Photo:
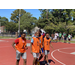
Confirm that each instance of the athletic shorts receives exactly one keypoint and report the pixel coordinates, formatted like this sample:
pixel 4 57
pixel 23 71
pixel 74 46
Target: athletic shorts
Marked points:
pixel 46 52
pixel 18 55
pixel 36 55
pixel 59 38
pixel 68 39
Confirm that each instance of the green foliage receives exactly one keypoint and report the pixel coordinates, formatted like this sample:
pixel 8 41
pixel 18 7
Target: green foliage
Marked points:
pixel 11 26
pixel 51 20
pixel 15 15
pixel 3 21
pixel 28 22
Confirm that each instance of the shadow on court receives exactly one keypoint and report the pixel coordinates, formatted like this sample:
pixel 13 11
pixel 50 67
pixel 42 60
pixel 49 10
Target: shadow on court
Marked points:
pixel 44 62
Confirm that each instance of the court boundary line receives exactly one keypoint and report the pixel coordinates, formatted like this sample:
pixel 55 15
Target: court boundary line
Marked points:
pixel 66 52
pixel 58 50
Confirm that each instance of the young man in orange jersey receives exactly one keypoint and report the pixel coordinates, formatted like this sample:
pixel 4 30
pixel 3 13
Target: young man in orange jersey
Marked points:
pixel 47 44
pixel 35 47
pixel 41 38
pixel 20 47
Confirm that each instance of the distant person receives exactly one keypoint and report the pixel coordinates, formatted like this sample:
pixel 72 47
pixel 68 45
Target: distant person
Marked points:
pixel 65 37
pixel 69 38
pixel 60 36
pixel 57 36
pixel 52 36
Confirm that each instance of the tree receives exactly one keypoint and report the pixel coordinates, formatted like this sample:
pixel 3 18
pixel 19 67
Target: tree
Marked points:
pixel 42 22
pixel 3 21
pixel 12 27
pixel 15 15
pixel 28 22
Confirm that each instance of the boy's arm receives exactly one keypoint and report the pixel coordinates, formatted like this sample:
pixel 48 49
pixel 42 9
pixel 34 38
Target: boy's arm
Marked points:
pixel 51 46
pixel 13 45
pixel 26 46
pixel 16 42
pixel 31 45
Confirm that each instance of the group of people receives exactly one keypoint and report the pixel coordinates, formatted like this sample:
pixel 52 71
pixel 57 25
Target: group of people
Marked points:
pixel 40 46
pixel 60 36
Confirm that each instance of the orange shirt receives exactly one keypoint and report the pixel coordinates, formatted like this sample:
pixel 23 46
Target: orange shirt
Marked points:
pixel 47 44
pixel 36 45
pixel 41 38
pixel 21 45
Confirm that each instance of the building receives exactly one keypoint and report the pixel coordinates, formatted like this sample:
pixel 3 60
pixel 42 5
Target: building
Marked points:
pixel 35 29
pixel 2 29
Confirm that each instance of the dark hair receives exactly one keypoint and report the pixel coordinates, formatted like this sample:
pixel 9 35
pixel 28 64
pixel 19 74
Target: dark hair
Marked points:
pixel 22 33
pixel 40 30
pixel 47 33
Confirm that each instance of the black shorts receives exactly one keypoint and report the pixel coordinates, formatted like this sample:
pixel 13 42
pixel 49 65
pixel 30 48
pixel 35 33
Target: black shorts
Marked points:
pixel 59 38
pixel 69 39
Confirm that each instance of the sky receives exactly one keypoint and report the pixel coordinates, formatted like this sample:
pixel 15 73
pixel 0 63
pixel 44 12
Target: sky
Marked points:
pixel 7 12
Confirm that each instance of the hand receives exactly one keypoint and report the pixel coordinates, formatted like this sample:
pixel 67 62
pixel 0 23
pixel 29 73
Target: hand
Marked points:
pixel 26 48
pixel 15 49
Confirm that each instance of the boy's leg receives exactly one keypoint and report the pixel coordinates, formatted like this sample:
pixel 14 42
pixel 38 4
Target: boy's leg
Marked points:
pixel 34 61
pixel 46 56
pixel 35 58
pixel 41 55
pixel 17 62
pixel 24 56
pixel 18 54
pixel 25 61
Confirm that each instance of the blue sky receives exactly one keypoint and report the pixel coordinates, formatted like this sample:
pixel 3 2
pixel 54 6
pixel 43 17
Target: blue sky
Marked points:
pixel 7 12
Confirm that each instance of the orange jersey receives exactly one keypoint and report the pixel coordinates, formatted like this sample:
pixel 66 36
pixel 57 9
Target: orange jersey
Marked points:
pixel 36 45
pixel 47 44
pixel 21 45
pixel 41 38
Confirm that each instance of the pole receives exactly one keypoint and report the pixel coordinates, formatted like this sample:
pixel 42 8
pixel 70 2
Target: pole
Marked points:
pixel 47 13
pixel 19 19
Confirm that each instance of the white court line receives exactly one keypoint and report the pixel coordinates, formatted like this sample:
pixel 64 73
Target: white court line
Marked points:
pixel 58 50
pixel 68 43
pixel 5 46
pixel 55 58
pixel 66 48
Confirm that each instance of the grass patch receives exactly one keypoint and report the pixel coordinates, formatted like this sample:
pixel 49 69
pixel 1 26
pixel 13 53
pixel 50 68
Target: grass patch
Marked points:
pixel 66 41
pixel 4 37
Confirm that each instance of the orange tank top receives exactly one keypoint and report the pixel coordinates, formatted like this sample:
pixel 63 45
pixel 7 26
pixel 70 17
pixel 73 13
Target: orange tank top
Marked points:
pixel 21 45
pixel 47 44
pixel 36 45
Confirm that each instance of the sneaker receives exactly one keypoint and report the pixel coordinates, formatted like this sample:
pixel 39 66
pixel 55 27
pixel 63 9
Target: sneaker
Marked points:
pixel 38 63
pixel 48 64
